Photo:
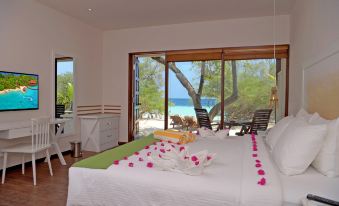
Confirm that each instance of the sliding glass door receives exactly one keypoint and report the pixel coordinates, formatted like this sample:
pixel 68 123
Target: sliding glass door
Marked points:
pixel 149 94
pixel 230 83
pixel 193 84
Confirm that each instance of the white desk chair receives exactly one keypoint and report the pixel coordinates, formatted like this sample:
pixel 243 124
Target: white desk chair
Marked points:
pixel 40 142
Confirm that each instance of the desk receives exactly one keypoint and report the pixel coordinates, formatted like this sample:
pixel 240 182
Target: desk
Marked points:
pixel 14 130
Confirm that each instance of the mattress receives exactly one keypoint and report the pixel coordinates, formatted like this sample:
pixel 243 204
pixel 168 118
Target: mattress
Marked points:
pixel 230 180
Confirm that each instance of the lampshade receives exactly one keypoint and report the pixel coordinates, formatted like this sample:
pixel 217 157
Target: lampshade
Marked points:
pixel 274 95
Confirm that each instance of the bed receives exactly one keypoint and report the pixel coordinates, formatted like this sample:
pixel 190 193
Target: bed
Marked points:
pixel 232 179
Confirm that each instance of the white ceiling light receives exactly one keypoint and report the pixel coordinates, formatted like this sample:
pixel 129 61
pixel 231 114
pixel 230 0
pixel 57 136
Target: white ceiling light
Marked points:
pixel 90 9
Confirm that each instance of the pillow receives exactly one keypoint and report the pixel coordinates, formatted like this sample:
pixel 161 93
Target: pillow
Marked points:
pixel 276 131
pixel 303 114
pixel 298 146
pixel 327 161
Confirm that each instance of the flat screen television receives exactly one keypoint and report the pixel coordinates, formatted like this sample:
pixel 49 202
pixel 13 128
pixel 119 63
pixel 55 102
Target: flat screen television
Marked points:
pixel 18 91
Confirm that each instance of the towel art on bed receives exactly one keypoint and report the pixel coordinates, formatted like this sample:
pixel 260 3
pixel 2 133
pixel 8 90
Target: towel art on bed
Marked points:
pixel 174 136
pixel 168 156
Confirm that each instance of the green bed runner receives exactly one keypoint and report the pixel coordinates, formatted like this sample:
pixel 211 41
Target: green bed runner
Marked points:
pixel 105 159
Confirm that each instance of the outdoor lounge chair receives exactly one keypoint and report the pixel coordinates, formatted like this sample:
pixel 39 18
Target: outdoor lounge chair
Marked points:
pixel 190 123
pixel 177 121
pixel 259 122
pixel 204 119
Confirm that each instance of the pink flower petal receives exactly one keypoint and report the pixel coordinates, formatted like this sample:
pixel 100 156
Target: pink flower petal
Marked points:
pixel 130 164
pixel 161 140
pixel 125 158
pixel 170 141
pixel 149 164
pixel 196 163
pixel 141 159
pixel 155 148
pixel 262 181
pixel 181 149
pixel 257 161
pixel 194 158
pixel 162 150
pixel 172 146
pixel 162 144
pixel 254 155
pixel 261 172
pixel 209 157
pixel 255 149
pixel 147 147
pixel 258 165
pixel 168 150
pixel 116 162
pixel 160 156
pixel 149 153
pixel 136 153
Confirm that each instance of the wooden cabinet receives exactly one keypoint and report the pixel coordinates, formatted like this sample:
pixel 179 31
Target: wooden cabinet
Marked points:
pixel 99 132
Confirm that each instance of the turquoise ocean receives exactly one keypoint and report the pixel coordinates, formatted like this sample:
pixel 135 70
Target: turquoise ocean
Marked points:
pixel 184 106
pixel 17 100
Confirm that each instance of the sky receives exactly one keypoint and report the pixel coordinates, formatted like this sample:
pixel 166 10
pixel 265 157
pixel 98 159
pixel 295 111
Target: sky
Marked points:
pixel 64 67
pixel 176 90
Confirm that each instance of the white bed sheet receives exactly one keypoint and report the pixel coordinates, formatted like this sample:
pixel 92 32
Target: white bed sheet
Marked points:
pixel 295 188
pixel 230 180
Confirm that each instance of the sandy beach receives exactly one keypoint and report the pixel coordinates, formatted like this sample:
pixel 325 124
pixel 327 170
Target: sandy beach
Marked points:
pixel 21 88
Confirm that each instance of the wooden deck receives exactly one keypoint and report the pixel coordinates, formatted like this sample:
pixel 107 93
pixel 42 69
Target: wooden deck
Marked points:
pixel 49 191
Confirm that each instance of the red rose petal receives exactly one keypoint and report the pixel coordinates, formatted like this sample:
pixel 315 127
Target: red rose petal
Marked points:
pixel 149 164
pixel 194 158
pixel 141 159
pixel 147 147
pixel 181 149
pixel 162 150
pixel 262 181
pixel 254 155
pixel 196 163
pixel 257 161
pixel 261 172
pixel 136 153
pixel 162 144
pixel 149 153
pixel 130 164
pixel 258 165
pixel 209 157
pixel 125 158
pixel 116 162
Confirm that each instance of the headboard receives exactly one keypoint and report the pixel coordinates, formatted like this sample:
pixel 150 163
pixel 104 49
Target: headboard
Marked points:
pixel 321 84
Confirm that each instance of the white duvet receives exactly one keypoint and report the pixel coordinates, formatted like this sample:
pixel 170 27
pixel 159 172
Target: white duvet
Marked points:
pixel 230 180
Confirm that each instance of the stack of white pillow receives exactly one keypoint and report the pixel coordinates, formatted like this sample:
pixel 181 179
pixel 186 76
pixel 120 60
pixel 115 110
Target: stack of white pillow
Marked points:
pixel 304 140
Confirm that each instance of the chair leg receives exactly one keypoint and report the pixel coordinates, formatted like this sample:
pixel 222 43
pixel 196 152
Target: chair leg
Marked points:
pixel 4 168
pixel 34 169
pixel 49 162
pixel 23 164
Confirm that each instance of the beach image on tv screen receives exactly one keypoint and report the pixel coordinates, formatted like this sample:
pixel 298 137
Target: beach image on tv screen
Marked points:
pixel 18 91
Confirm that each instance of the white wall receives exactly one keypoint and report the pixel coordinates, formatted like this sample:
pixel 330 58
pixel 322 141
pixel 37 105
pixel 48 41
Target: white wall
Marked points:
pixel 314 30
pixel 30 34
pixel 226 33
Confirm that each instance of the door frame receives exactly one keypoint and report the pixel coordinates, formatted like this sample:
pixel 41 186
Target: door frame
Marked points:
pixel 192 52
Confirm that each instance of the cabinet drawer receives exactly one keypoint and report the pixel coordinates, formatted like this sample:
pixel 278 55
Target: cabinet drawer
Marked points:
pixel 106 136
pixel 106 124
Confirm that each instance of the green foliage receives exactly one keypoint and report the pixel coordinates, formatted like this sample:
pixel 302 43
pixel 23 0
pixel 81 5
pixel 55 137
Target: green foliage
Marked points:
pixel 255 80
pixel 12 81
pixel 65 90
pixel 151 84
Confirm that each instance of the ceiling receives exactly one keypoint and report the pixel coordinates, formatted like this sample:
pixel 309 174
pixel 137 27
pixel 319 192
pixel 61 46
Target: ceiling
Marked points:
pixel 118 14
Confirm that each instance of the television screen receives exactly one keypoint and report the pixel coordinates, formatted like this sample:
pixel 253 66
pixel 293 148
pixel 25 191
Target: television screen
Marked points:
pixel 18 91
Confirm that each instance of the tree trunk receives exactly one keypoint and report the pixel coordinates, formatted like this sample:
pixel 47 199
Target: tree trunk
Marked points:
pixel 229 100
pixel 183 80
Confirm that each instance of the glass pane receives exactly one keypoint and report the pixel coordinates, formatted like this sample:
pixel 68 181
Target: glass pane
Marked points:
pixel 65 93
pixel 248 85
pixel 151 86
pixel 193 84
